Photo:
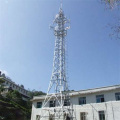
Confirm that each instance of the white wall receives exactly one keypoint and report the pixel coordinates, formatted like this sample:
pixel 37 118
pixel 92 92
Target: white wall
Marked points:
pixel 16 87
pixel 91 98
pixel 110 106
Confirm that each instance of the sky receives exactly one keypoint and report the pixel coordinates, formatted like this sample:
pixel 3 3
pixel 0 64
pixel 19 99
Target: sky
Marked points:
pixel 27 43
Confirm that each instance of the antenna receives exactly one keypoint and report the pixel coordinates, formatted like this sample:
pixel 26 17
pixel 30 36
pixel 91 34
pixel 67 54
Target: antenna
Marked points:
pixel 61 4
pixel 58 90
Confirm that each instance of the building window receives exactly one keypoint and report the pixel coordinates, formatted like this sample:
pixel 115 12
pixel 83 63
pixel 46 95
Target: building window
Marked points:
pixel 66 102
pixel 101 115
pixel 51 117
pixel 37 117
pixel 117 96
pixel 52 104
pixel 83 116
pixel 82 100
pixel 39 104
pixel 100 98
pixel 66 116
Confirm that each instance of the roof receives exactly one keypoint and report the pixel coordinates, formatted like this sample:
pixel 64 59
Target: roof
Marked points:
pixel 83 92
pixel 10 81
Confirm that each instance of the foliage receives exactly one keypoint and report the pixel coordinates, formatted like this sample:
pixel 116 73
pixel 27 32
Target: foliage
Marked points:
pixel 12 111
pixel 1 85
pixel 14 96
pixel 115 31
pixel 111 3
pixel 35 93
pixel 2 80
pixel 1 88
pixel 13 107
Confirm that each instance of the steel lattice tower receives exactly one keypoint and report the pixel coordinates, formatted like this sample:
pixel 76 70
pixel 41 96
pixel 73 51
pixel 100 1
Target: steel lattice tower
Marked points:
pixel 58 78
pixel 58 84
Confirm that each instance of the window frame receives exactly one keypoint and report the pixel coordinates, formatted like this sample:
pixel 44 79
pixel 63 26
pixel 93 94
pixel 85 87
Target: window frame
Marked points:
pixel 117 96
pixel 51 117
pixel 80 100
pixel 52 103
pixel 66 102
pixel 101 115
pixel 37 117
pixel 39 105
pixel 83 116
pixel 100 98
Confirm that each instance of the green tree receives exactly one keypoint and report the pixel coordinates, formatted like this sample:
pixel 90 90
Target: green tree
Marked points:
pixel 35 93
pixel 1 85
pixel 12 107
pixel 15 96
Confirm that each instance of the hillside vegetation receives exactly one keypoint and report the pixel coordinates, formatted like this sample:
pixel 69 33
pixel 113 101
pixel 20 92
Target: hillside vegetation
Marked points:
pixel 13 107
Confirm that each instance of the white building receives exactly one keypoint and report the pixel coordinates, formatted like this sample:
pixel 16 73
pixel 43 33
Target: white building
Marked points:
pixel 10 85
pixel 91 104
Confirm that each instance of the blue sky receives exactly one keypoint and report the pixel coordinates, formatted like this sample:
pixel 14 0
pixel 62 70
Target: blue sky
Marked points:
pixel 27 43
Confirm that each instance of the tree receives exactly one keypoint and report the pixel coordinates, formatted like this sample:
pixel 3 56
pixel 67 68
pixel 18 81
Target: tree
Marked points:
pixel 1 84
pixel 15 96
pixel 1 88
pixel 35 93
pixel 12 107
pixel 112 4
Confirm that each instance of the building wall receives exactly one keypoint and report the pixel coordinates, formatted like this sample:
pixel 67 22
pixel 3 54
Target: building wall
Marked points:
pixel 111 107
pixel 12 85
pixel 91 98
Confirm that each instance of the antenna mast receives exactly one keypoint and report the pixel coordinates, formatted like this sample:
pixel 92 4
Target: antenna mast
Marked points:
pixel 58 92
pixel 61 4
